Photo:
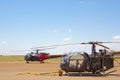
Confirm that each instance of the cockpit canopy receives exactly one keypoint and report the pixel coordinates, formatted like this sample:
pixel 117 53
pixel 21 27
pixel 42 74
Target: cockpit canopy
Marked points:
pixel 74 61
pixel 73 56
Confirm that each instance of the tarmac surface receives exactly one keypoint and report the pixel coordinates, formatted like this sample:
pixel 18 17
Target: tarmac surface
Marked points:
pixel 23 71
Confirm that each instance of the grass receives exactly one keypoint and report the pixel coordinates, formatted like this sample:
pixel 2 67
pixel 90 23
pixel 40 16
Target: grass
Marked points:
pixel 54 59
pixel 11 58
pixel 21 58
pixel 116 56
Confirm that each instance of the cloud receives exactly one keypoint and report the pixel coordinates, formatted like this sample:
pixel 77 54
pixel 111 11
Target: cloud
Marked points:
pixel 69 30
pixel 55 31
pixel 82 2
pixel 3 42
pixel 67 39
pixel 117 37
pixel 87 3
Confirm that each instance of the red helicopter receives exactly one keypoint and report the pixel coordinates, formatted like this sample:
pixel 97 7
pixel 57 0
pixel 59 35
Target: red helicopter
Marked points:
pixel 40 56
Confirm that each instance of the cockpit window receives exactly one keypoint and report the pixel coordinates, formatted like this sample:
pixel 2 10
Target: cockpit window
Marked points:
pixel 76 61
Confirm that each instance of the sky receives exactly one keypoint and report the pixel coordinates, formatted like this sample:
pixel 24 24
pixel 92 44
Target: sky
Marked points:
pixel 33 23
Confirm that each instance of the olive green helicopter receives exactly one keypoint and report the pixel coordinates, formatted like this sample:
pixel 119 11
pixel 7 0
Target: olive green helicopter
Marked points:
pixel 94 62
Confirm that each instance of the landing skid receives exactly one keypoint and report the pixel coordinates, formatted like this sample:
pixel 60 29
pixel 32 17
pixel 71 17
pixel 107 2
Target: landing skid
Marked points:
pixel 29 62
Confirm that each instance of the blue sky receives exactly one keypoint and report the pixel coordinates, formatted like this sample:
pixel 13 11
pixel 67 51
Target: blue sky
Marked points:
pixel 31 23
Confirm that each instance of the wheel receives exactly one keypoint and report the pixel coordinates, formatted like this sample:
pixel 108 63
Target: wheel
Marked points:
pixel 60 72
pixel 27 62
pixel 93 71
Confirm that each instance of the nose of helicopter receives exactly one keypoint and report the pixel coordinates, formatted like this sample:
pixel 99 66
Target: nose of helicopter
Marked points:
pixel 63 66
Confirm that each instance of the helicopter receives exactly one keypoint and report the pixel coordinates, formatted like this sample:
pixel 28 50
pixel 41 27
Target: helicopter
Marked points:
pixel 96 62
pixel 40 56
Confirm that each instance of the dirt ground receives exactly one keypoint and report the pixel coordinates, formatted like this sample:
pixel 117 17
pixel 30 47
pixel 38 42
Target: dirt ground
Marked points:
pixel 17 70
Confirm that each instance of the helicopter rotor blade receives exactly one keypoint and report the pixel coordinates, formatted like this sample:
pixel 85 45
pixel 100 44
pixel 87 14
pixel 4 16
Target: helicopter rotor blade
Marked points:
pixel 102 46
pixel 97 43
pixel 109 42
pixel 20 50
pixel 42 49
pixel 91 42
pixel 58 45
